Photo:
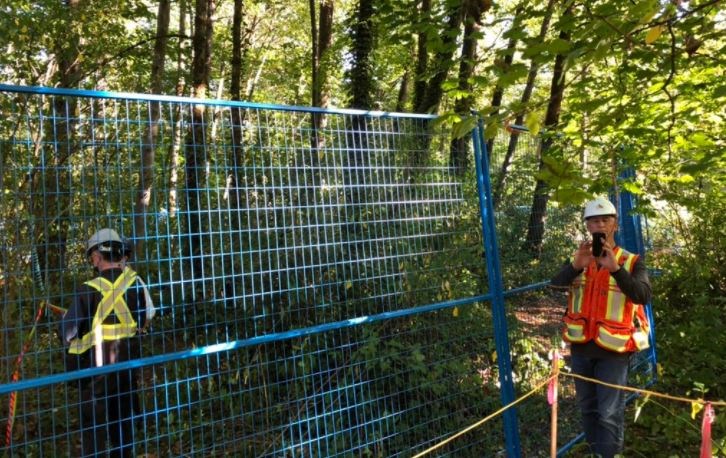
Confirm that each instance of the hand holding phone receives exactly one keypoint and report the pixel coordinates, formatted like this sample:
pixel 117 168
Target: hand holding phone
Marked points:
pixel 598 239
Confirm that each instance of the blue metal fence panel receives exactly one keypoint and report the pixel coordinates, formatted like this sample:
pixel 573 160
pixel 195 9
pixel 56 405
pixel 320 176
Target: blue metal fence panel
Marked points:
pixel 317 275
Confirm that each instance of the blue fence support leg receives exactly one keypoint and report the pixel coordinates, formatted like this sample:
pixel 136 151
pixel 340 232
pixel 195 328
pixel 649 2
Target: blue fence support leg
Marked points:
pixel 496 289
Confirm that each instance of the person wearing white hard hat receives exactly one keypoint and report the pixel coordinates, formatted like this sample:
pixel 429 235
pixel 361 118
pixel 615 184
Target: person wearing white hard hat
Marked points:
pixel 605 324
pixel 101 327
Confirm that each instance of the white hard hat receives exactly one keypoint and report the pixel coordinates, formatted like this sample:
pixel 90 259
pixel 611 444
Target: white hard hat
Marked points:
pixel 106 240
pixel 599 207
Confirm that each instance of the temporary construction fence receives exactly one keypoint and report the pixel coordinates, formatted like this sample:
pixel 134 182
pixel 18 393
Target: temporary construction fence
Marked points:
pixel 326 283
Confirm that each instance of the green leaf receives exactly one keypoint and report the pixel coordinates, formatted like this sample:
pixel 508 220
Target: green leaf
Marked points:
pixel 651 8
pixel 719 92
pixel 559 46
pixel 464 126
pixel 570 195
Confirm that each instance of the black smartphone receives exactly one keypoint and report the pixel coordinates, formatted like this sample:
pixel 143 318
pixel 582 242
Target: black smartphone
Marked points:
pixel 597 240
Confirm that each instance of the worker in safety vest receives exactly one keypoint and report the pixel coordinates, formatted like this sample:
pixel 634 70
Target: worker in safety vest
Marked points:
pixel 102 326
pixel 605 324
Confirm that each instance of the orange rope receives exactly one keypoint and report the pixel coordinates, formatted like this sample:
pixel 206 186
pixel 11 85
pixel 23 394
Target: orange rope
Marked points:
pixel 12 403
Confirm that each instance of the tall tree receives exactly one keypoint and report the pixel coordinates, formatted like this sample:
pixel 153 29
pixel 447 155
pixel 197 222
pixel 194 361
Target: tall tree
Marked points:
pixel 321 37
pixel 321 34
pixel 239 62
pixel 361 72
pixel 146 177
pixel 196 148
pixel 443 60
pixel 54 176
pixel 179 90
pixel 536 227
pixel 501 177
pixel 422 53
pixel 504 63
pixel 473 11
pixel 361 90
pixel 427 97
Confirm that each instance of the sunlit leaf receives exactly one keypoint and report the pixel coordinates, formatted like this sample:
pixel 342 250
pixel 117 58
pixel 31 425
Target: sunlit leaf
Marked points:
pixel 632 187
pixel 653 34
pixel 700 139
pixel 571 195
pixel 685 179
pixel 533 122
pixel 696 406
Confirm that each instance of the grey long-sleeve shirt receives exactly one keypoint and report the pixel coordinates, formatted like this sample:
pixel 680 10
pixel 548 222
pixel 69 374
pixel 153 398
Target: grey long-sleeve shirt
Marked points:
pixel 635 284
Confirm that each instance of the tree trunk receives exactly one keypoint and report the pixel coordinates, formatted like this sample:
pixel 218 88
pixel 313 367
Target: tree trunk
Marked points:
pixel 501 179
pixel 55 204
pixel 403 91
pixel 146 177
pixel 175 147
pixel 444 62
pixel 322 39
pixel 422 55
pixel 434 90
pixel 535 228
pixel 196 149
pixel 458 151
pixel 361 71
pixel 505 65
pixel 240 49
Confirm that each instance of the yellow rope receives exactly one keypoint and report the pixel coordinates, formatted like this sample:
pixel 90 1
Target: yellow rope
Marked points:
pixel 485 419
pixel 642 391
pixel 546 381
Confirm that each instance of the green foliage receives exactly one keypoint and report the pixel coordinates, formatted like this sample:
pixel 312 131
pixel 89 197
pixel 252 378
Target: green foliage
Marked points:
pixel 690 308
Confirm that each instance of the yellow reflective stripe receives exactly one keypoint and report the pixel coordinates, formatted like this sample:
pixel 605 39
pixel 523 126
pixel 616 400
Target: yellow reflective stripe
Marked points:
pixel 613 342
pixel 577 292
pixel 112 301
pixel 575 332
pixel 628 265
pixel 615 302
pixel 616 299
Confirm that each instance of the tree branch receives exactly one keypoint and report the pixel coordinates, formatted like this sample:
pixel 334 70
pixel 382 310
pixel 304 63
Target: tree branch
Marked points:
pixel 130 48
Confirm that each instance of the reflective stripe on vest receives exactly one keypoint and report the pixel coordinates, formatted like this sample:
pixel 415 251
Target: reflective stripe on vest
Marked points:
pixel 113 301
pixel 614 342
pixel 616 299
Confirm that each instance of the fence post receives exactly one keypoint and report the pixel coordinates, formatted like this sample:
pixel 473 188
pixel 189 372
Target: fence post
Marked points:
pixel 496 289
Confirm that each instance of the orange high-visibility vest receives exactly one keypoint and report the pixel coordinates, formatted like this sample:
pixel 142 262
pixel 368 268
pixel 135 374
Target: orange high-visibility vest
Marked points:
pixel 113 301
pixel 597 310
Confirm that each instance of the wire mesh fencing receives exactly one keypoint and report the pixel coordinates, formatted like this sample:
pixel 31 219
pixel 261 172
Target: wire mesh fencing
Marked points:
pixel 318 279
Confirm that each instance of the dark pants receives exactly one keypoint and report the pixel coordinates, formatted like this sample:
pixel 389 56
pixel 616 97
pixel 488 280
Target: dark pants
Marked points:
pixel 106 415
pixel 602 408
